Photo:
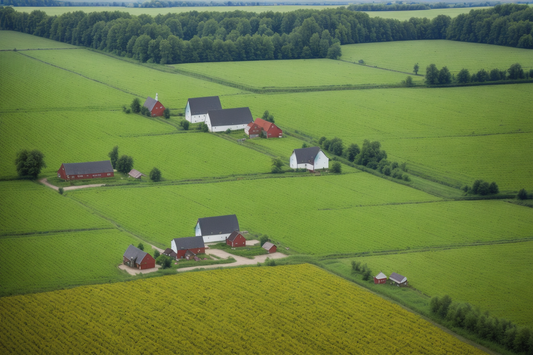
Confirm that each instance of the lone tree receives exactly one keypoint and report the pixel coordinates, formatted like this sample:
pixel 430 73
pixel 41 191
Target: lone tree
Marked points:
pixel 135 105
pixel 141 246
pixel 113 156
pixel 336 168
pixel 155 175
pixel 415 69
pixel 29 164
pixel 124 164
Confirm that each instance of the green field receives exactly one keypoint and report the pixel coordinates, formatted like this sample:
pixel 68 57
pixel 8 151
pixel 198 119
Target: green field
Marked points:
pixel 28 207
pixel 54 261
pixel 430 14
pixel 454 55
pixel 483 276
pixel 295 73
pixel 18 40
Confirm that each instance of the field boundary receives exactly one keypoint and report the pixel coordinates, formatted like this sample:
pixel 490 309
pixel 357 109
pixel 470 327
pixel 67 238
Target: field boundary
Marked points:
pixel 37 49
pixel 58 231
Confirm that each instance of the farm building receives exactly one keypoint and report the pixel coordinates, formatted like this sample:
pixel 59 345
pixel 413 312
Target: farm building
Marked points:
pixel 312 158
pixel 136 174
pixel 270 129
pixel 236 239
pixel 169 252
pixel 398 279
pixel 197 108
pixel 380 278
pixel 155 107
pixel 89 170
pixel 271 248
pixel 187 247
pixel 252 130
pixel 134 257
pixel 216 229
pixel 230 118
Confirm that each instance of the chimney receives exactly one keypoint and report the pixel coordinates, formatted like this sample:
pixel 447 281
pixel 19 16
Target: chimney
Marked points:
pixel 156 97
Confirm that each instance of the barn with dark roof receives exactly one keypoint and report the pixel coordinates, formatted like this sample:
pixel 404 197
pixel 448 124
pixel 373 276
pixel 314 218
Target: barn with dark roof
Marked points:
pixel 230 118
pixel 155 107
pixel 197 108
pixel 188 247
pixel 216 229
pixel 136 258
pixel 88 170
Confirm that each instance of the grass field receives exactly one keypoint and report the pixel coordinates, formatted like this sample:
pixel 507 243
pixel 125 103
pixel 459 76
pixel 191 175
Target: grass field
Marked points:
pixel 295 73
pixel 19 41
pixel 28 207
pixel 54 261
pixel 430 14
pixel 468 275
pixel 305 309
pixel 453 54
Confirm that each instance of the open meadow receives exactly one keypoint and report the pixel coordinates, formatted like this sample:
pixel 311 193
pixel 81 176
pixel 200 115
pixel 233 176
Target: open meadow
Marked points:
pixel 403 55
pixel 468 275
pixel 287 309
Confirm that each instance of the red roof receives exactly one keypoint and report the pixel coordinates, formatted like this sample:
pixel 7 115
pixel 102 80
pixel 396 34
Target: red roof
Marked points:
pixel 264 124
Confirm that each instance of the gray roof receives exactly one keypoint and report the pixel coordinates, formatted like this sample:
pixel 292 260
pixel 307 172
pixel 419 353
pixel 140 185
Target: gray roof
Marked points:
pixel 169 252
pixel 219 224
pixel 230 116
pixel 306 155
pixel 150 103
pixel 135 174
pixel 267 245
pixel 92 167
pixel 135 253
pixel 397 278
pixel 189 242
pixel 201 105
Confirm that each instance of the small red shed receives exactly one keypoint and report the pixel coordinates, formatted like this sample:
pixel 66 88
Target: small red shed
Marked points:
pixel 380 278
pixel 188 247
pixel 236 239
pixel 134 257
pixel 252 130
pixel 271 248
pixel 156 108
pixel 89 170
pixel 270 129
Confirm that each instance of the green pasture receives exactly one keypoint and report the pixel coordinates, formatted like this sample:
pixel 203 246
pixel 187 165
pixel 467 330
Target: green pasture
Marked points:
pixel 20 41
pixel 30 85
pixel 295 73
pixel 28 207
pixel 488 276
pixel 55 261
pixel 403 55
pixel 430 14
pixel 315 215
pixel 142 81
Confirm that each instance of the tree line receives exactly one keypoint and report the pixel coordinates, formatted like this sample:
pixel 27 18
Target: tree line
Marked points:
pixel 434 76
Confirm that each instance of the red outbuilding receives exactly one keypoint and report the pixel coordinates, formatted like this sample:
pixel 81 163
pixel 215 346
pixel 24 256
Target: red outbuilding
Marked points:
pixel 156 108
pixel 270 129
pixel 271 248
pixel 380 278
pixel 236 239
pixel 134 257
pixel 252 130
pixel 188 247
pixel 89 170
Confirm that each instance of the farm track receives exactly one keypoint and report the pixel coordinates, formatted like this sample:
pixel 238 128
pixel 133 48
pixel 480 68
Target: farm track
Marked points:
pixel 26 234
pixel 374 67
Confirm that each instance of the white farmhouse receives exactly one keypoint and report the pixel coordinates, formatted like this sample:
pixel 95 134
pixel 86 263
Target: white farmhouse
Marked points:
pixel 197 108
pixel 229 118
pixel 312 159
pixel 216 229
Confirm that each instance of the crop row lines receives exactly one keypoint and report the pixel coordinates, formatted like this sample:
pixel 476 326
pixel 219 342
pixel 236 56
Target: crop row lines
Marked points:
pixel 385 204
pixel 25 234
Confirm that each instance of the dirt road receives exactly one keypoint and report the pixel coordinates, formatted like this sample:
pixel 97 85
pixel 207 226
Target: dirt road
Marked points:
pixel 68 188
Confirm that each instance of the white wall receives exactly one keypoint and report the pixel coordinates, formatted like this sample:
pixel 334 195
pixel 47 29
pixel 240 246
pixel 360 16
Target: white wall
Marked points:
pixel 173 246
pixel 193 118
pixel 224 128
pixel 215 238
pixel 321 161
pixel 197 230
pixel 292 163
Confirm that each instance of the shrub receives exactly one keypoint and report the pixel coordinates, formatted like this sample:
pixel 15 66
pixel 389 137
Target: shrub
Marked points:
pixel 156 254
pixel 166 113
pixel 135 105
pixel 336 168
pixel 185 125
pixel 263 239
pixel 155 175
pixel 145 112
pixel 60 190
pixel 522 194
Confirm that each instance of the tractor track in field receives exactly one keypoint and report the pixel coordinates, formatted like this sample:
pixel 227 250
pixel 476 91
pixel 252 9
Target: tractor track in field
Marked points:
pixel 83 76
pixel 58 231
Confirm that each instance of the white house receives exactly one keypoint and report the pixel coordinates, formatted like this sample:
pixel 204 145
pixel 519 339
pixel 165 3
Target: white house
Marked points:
pixel 197 108
pixel 216 229
pixel 312 159
pixel 230 118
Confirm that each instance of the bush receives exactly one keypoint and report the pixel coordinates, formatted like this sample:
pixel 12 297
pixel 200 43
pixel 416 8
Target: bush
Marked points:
pixel 156 254
pixel 202 127
pixel 522 194
pixel 135 105
pixel 185 125
pixel 60 190
pixel 166 113
pixel 228 131
pixel 263 239
pixel 155 175
pixel 336 168
pixel 270 262
pixel 367 275
pixel 164 261
pixel 145 112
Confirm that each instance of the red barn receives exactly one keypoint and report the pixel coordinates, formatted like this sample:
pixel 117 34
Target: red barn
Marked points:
pixel 270 129
pixel 271 248
pixel 380 278
pixel 236 239
pixel 134 257
pixel 252 130
pixel 89 170
pixel 156 108
pixel 188 247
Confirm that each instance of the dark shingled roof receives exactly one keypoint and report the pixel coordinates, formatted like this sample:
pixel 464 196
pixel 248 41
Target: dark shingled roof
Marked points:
pixel 397 278
pixel 233 235
pixel 169 252
pixel 135 253
pixel 230 116
pixel 92 167
pixel 150 103
pixel 219 224
pixel 202 105
pixel 306 155
pixel 189 242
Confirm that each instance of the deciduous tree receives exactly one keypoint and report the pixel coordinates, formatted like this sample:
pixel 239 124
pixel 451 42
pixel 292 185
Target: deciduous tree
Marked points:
pixel 432 75
pixel 136 105
pixel 113 156
pixel 124 164
pixel 155 175
pixel 29 164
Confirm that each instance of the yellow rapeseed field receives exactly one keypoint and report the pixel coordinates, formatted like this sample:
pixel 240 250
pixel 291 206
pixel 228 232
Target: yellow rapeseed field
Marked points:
pixel 268 310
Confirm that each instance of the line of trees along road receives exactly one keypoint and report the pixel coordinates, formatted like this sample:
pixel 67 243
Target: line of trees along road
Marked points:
pixel 214 36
